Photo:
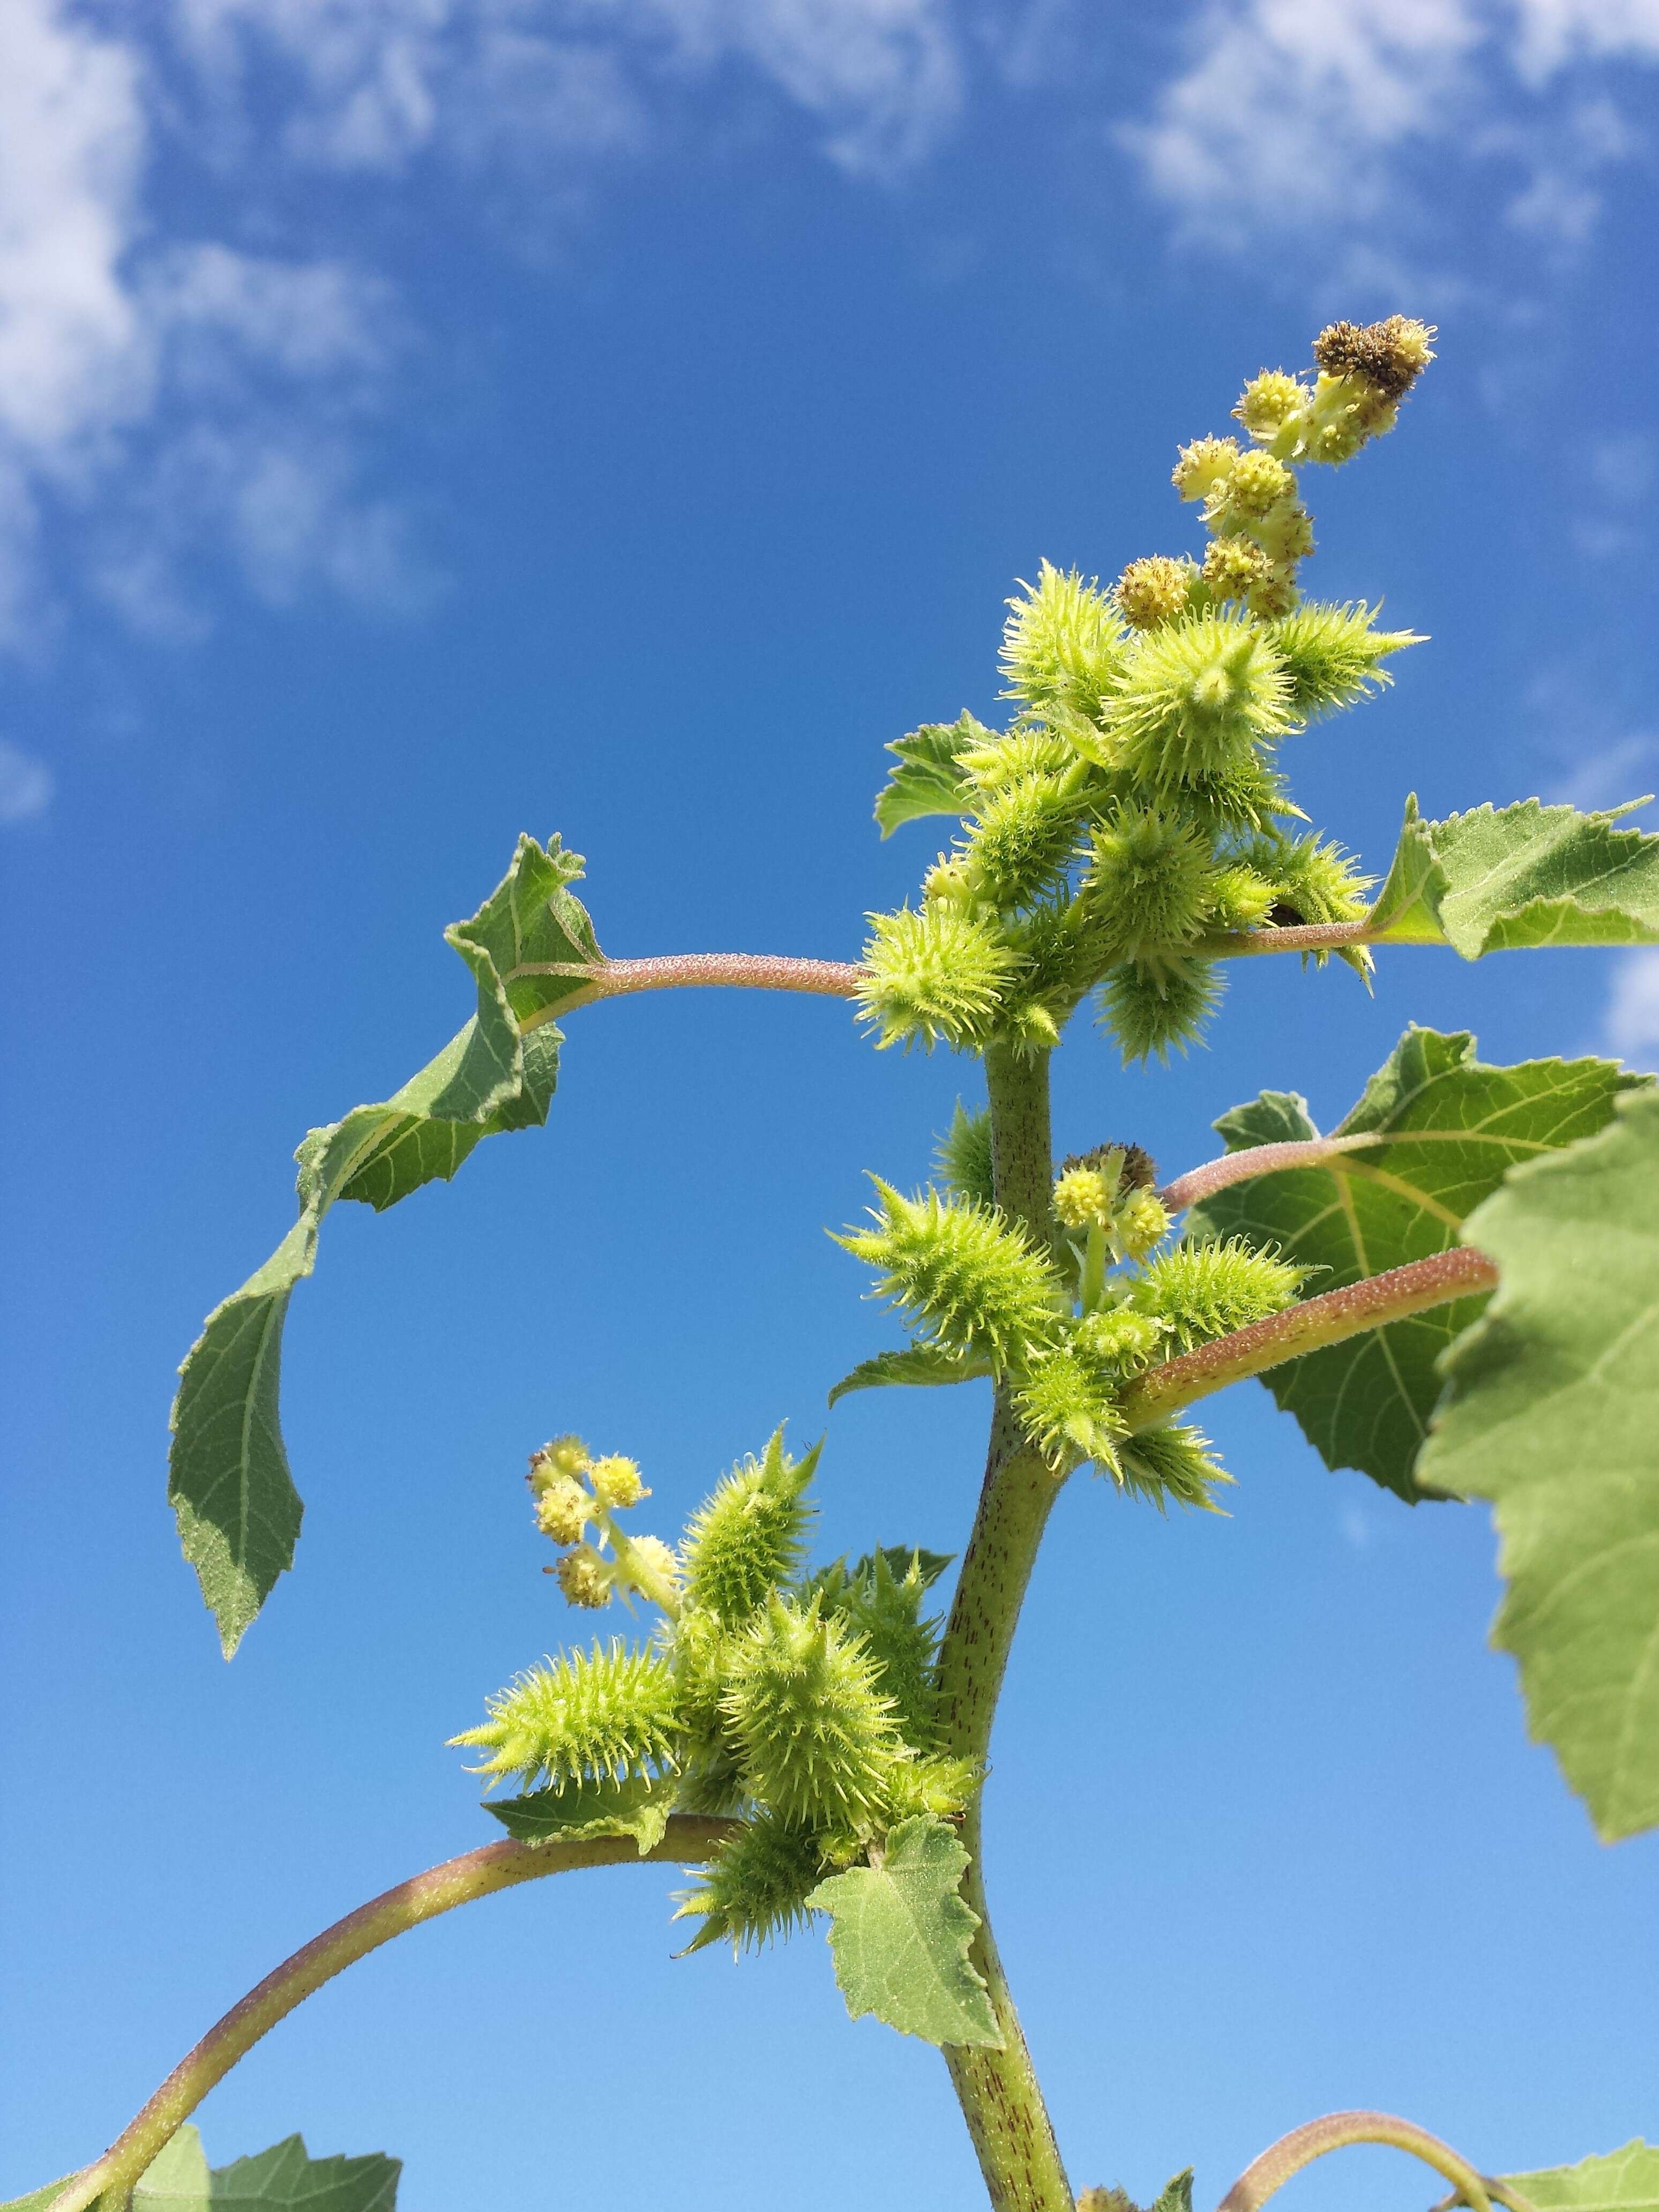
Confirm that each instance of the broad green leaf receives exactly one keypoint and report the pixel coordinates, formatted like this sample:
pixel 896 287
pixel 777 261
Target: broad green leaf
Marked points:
pixel 927 779
pixel 229 1485
pixel 638 1806
pixel 917 1363
pixel 1502 879
pixel 1624 2181
pixel 1450 1128
pixel 179 2180
pixel 284 2176
pixel 900 1934
pixel 1552 1413
pixel 1176 2194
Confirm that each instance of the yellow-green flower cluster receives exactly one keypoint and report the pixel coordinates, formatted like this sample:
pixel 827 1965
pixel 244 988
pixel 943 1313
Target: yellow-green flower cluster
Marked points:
pixel 573 1492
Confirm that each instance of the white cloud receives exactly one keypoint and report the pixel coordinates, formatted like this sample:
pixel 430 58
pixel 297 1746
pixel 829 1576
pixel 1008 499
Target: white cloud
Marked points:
pixel 72 145
pixel 121 356
pixel 27 785
pixel 1631 1024
pixel 179 395
pixel 561 81
pixel 1302 118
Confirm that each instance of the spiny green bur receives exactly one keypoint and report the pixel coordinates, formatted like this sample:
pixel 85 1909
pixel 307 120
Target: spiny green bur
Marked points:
pixel 803 1701
pixel 750 1536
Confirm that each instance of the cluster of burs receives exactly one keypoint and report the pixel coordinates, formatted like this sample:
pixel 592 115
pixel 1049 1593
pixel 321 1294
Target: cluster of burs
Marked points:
pixel 805 1704
pixel 802 1701
pixel 1131 815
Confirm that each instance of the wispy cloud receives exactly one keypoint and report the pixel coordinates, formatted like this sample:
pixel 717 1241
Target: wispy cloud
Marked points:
pixel 1630 1023
pixel 27 785
pixel 176 396
pixel 1303 123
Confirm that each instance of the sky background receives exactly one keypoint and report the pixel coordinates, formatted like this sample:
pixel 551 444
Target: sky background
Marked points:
pixel 426 420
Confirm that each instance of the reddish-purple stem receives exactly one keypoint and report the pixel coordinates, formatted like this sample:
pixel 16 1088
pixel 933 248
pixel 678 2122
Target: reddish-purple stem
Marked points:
pixel 1462 1272
pixel 1256 1160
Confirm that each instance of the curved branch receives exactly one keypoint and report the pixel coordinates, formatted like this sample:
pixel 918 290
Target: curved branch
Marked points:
pixel 752 971
pixel 1258 1160
pixel 1462 1272
pixel 441 1889
pixel 1335 2132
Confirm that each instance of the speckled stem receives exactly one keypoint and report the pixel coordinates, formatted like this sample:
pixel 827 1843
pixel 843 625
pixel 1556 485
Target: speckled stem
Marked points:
pixel 1259 1160
pixel 679 971
pixel 1299 937
pixel 998 2090
pixel 1335 2132
pixel 1462 1272
pixel 457 1881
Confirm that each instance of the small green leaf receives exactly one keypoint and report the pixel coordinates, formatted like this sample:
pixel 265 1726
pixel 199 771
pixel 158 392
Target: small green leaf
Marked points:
pixel 37 2199
pixel 1552 1411
pixel 917 1363
pixel 927 779
pixel 1502 879
pixel 638 1806
pixel 1624 2181
pixel 229 1485
pixel 900 1935
pixel 283 2176
pixel 1451 1127
pixel 1176 2195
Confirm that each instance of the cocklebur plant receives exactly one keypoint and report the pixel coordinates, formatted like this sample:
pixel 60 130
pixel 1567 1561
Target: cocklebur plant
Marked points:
pixel 1452 1292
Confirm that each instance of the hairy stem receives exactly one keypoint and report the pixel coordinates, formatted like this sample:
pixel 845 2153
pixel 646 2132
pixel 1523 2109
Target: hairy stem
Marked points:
pixel 1335 2132
pixel 1462 1272
pixel 441 1889
pixel 1300 937
pixel 998 2090
pixel 1258 1160
pixel 671 971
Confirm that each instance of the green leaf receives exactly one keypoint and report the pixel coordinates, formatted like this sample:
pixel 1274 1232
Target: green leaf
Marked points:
pixel 1451 1128
pixel 180 2181
pixel 1176 2194
pixel 1503 879
pixel 285 2176
pixel 1552 1413
pixel 1624 2181
pixel 917 1363
pixel 638 1806
pixel 229 1485
pixel 900 1934
pixel 927 779
pixel 37 2199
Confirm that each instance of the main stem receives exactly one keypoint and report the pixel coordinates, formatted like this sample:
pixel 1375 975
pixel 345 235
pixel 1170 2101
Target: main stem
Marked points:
pixel 998 2090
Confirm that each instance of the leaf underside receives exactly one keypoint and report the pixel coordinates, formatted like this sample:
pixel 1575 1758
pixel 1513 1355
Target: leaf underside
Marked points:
pixel 637 1807
pixel 1451 1128
pixel 900 1934
pixel 926 780
pixel 1552 1413
pixel 1511 878
pixel 229 1480
pixel 915 1363
pixel 1623 2181
pixel 181 2180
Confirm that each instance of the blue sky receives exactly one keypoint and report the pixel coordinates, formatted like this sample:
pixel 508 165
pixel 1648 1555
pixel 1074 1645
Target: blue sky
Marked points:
pixel 426 420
